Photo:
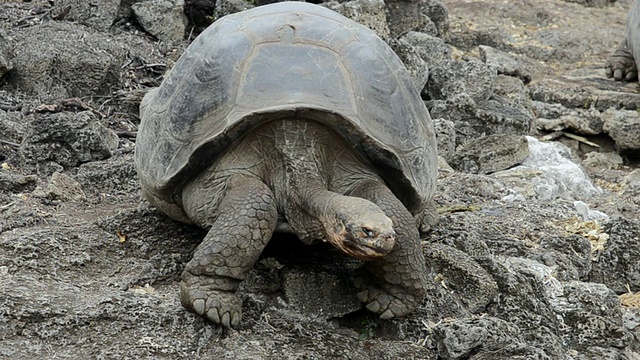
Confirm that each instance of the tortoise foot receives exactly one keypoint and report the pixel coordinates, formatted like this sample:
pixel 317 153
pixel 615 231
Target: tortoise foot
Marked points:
pixel 621 65
pixel 389 301
pixel 219 306
pixel 621 68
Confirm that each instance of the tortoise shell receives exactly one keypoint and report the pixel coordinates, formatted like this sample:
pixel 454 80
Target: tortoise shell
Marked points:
pixel 288 59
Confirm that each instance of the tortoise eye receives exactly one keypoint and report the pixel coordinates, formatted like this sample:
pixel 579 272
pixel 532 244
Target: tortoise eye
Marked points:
pixel 368 232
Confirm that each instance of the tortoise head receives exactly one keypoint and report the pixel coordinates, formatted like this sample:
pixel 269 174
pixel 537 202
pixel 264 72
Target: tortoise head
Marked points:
pixel 362 230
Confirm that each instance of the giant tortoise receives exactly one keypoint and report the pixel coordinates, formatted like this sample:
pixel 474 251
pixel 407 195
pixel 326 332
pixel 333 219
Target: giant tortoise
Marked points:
pixel 291 117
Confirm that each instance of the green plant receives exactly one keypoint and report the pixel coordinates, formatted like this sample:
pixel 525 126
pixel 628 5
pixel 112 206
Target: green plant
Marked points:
pixel 368 330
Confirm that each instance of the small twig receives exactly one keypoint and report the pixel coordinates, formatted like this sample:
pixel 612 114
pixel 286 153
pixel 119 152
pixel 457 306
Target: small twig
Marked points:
pixel 580 139
pixel 10 143
pixel 62 14
pixel 24 19
pixel 127 64
pixel 67 103
pixel 146 66
pixel 5 207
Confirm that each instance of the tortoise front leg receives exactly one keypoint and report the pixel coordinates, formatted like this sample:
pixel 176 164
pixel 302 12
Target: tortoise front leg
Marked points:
pixel 246 220
pixel 399 278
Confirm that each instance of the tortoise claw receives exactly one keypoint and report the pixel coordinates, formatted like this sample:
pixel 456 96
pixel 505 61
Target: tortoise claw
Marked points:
pixel 220 307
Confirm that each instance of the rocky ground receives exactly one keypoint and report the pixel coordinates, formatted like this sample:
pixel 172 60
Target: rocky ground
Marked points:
pixel 536 256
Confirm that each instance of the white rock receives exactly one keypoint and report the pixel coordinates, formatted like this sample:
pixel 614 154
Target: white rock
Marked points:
pixel 549 173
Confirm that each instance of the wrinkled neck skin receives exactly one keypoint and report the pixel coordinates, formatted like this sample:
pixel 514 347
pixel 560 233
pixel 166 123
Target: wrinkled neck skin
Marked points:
pixel 309 177
pixel 309 168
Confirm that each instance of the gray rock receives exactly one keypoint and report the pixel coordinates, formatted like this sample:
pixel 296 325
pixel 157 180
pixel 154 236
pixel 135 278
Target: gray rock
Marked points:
pixel 592 315
pixel 513 89
pixel 499 115
pixel 440 301
pixel 163 19
pixel 16 183
pixel 405 16
pixel 495 116
pixel 319 294
pixel 587 122
pixel 504 63
pixel 445 138
pixel 100 15
pixel 631 183
pixel 12 127
pixel 631 320
pixel 17 216
pixel 490 153
pixel 584 92
pixel 544 276
pixel 568 256
pixel 469 242
pixel 526 289
pixel 469 188
pixel 67 139
pixel 592 3
pixel 600 353
pixel 454 78
pixel 467 282
pixel 624 128
pixel 396 350
pixel 437 12
pixel 54 62
pixel 618 265
pixel 428 27
pixel 433 50
pixel 550 110
pixel 485 337
pixel 370 13
pixel 5 54
pixel 412 61
pixel 607 160
pixel 226 7
pixel 427 16
pixel 469 39
pixel 65 188
pixel 112 178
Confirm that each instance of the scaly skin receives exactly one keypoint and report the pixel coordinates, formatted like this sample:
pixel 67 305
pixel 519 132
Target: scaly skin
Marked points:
pixel 305 173
pixel 397 285
pixel 427 218
pixel 232 246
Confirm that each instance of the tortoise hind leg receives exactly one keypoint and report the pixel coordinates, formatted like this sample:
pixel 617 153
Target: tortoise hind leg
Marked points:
pixel 246 220
pixel 399 278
